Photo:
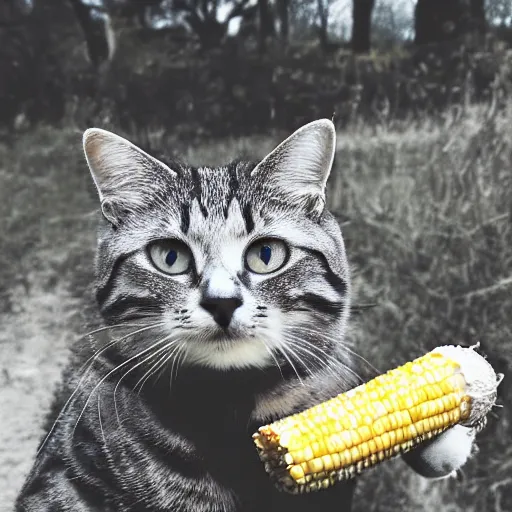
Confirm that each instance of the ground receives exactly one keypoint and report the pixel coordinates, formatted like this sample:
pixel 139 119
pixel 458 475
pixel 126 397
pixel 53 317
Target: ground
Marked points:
pixel 425 210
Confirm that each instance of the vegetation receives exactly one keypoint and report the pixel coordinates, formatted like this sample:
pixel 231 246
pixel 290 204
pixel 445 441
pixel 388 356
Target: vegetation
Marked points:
pixel 425 210
pixel 287 62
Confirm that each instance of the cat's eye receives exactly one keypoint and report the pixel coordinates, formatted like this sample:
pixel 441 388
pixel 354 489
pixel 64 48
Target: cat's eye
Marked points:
pixel 170 256
pixel 266 256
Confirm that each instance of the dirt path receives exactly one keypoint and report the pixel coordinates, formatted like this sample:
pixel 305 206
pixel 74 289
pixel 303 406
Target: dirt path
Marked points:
pixel 33 350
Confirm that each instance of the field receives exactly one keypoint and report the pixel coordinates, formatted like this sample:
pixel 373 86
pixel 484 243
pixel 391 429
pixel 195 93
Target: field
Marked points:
pixel 426 212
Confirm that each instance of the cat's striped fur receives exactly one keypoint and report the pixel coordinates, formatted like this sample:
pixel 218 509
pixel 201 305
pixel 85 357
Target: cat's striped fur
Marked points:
pixel 191 363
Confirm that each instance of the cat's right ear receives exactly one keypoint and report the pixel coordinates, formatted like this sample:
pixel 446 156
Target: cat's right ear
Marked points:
pixel 124 175
pixel 299 166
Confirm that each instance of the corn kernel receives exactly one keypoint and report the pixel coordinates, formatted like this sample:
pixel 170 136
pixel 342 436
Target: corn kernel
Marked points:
pixel 296 472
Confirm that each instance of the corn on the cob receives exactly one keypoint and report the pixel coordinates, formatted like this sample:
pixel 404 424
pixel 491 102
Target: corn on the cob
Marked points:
pixel 389 415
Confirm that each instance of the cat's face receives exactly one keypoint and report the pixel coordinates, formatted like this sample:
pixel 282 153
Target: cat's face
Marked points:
pixel 239 266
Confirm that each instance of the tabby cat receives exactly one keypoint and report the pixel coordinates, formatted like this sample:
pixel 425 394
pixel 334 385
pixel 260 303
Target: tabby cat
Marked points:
pixel 224 295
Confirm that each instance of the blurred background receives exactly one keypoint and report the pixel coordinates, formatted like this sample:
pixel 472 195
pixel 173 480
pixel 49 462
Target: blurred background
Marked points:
pixel 420 92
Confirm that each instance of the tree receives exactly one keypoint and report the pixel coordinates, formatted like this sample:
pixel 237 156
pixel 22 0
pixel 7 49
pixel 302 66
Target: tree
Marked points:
pixel 444 20
pixel 361 25
pixel 95 23
pixel 266 26
pixel 477 14
pixel 202 18
pixel 13 12
pixel 92 17
pixel 283 7
pixel 323 16
pixel 391 24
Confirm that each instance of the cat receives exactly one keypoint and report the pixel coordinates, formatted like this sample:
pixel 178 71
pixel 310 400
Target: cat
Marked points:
pixel 224 295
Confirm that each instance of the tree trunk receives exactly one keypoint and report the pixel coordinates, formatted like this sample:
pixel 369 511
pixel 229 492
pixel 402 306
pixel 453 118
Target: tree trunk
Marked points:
pixel 361 25
pixel 209 31
pixel 95 22
pixel 478 15
pixel 265 24
pixel 282 12
pixel 13 12
pixel 323 15
pixel 443 20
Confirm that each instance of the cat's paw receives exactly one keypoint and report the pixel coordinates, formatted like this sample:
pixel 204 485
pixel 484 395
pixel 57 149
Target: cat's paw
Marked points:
pixel 443 456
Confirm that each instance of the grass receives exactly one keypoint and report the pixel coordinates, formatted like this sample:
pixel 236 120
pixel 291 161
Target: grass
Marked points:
pixel 41 204
pixel 426 214
pixel 429 234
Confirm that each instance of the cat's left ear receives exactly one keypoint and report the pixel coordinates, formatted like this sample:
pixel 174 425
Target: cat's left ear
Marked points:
pixel 299 166
pixel 126 176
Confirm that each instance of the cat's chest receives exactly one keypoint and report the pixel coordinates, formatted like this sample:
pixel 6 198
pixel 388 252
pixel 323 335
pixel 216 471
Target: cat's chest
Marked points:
pixel 223 444
pixel 197 443
pixel 220 430
pixel 218 426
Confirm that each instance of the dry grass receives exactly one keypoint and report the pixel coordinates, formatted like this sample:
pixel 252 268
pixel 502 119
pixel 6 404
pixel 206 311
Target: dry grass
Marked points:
pixel 429 234
pixel 426 213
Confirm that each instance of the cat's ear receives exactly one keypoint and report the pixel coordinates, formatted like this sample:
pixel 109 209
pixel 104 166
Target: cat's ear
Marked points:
pixel 124 175
pixel 300 166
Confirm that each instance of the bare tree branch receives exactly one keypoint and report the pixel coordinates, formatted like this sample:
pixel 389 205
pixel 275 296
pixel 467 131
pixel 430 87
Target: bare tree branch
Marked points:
pixel 237 10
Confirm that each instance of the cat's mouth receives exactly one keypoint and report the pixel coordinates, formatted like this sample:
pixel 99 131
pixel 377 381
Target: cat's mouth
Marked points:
pixel 228 348
pixel 223 335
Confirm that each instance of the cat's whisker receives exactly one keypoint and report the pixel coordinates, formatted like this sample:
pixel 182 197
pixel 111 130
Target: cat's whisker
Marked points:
pixel 116 409
pixel 285 355
pixel 118 367
pixel 117 340
pixel 341 345
pixel 299 341
pixel 159 365
pixel 269 350
pixel 174 361
pixel 107 328
pixel 140 363
pixel 336 362
pixel 182 360
pixel 296 343
pixel 140 383
pixel 320 364
pixel 290 347
pixel 148 358
pixel 181 351
pixel 80 382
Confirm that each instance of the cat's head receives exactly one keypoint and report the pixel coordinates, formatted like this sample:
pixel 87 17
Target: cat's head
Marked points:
pixel 236 266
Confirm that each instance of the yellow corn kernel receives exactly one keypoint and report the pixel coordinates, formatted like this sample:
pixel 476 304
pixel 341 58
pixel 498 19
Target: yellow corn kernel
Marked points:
pixel 365 433
pixel 365 450
pixel 386 441
pixel 389 415
pixel 296 472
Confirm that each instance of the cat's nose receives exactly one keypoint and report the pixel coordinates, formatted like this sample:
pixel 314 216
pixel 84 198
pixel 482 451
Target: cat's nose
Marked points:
pixel 221 308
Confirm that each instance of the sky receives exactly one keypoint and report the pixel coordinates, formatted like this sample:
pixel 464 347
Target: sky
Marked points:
pixel 340 14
